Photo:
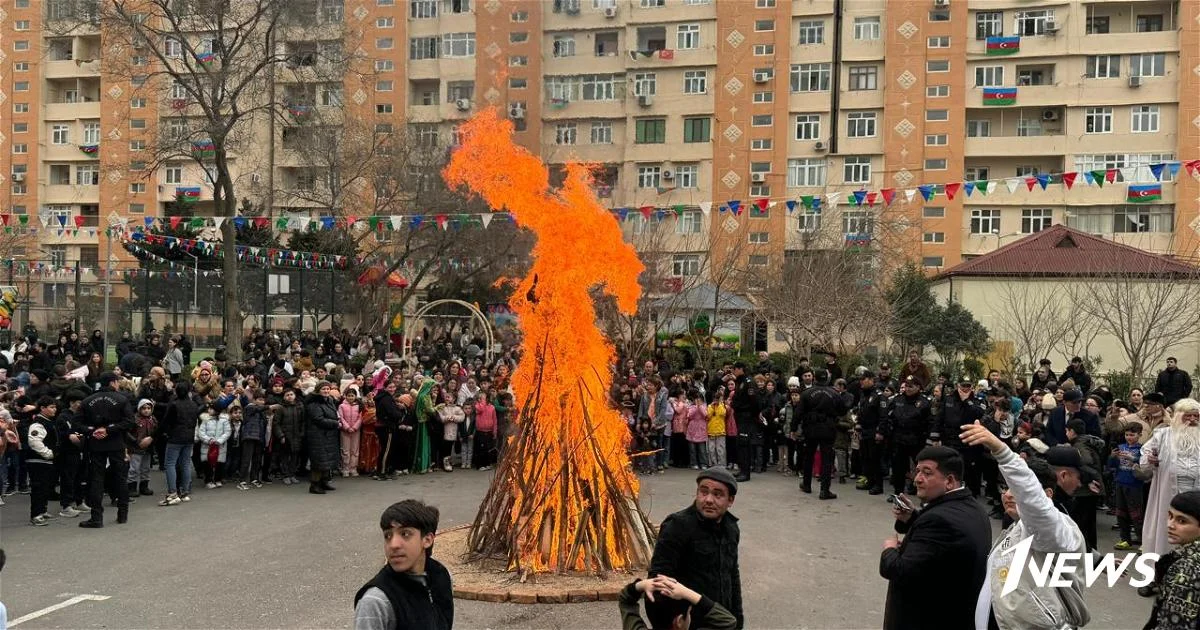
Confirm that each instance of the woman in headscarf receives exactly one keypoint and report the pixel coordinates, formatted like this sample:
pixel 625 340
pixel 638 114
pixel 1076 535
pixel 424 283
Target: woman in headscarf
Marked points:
pixel 426 416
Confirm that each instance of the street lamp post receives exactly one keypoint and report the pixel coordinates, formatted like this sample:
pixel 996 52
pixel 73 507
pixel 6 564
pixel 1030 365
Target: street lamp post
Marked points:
pixel 195 288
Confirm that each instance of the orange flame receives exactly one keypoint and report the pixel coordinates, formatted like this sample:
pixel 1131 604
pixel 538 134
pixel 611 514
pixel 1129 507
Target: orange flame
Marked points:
pixel 566 359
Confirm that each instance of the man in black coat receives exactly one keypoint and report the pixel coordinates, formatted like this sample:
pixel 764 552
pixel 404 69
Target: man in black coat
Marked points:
pixel 324 444
pixel 1173 383
pixel 106 417
pixel 1077 372
pixel 906 427
pixel 820 408
pixel 698 546
pixel 946 542
pixel 1072 407
pixel 870 407
pixel 388 417
pixel 745 411
pixel 960 407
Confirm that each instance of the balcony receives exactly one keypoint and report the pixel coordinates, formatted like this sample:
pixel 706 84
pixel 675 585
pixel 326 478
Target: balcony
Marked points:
pixel 1015 145
pixel 78 68
pixel 669 151
pixel 69 194
pixel 72 111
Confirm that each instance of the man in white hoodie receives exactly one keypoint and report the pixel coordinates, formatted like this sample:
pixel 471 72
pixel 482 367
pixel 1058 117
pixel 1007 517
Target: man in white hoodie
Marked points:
pixel 1030 499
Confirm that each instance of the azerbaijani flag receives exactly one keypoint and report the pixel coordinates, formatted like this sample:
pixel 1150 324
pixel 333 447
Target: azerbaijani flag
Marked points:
pixel 187 194
pixel 999 96
pixel 203 149
pixel 1003 45
pixel 208 59
pixel 1144 193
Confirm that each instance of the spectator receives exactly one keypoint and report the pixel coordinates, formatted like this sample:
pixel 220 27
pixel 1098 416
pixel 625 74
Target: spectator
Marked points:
pixel 1173 383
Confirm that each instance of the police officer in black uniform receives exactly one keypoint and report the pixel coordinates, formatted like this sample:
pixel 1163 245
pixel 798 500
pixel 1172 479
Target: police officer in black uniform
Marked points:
pixel 906 426
pixel 106 417
pixel 820 408
pixel 745 412
pixel 958 408
pixel 871 405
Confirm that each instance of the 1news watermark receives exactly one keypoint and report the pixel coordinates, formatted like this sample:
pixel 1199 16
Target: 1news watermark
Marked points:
pixel 1057 569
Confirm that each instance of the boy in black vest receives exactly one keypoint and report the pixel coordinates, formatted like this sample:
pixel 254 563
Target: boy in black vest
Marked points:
pixel 413 590
pixel 38 448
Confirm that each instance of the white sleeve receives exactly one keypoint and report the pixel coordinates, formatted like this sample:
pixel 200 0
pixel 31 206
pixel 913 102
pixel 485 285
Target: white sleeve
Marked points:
pixel 374 611
pixel 37 437
pixel 1039 515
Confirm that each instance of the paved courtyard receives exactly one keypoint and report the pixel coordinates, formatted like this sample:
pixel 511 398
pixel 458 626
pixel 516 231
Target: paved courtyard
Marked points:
pixel 281 558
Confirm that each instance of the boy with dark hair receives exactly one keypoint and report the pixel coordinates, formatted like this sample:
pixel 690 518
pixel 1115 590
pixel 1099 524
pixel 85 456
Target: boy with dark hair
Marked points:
pixel 413 591
pixel 1128 488
pixel 37 447
pixel 673 608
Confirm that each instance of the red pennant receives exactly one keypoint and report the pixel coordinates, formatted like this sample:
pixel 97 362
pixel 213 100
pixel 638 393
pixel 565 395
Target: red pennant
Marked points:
pixel 350 221
pixel 888 194
pixel 78 221
pixel 952 189
pixel 441 221
pixel 1030 182
pixel 5 218
pixel 1110 175
pixel 175 222
pixel 871 198
pixel 646 211
pixel 261 222
pixel 1191 165
pixel 1069 179
pixel 762 204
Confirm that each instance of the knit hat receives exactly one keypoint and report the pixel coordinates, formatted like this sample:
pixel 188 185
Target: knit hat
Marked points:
pixel 1188 503
pixel 719 475
pixel 793 382
pixel 143 402
pixel 1048 402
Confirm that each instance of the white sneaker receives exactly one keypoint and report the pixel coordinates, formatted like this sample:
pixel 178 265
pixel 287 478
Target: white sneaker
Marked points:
pixel 185 498
pixel 210 485
pixel 41 520
pixel 1 500
pixel 83 507
pixel 243 486
pixel 219 484
pixel 68 512
pixel 256 483
pixel 170 499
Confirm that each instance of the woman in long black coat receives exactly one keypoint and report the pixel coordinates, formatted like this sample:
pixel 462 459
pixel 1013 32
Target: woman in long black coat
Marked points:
pixel 322 434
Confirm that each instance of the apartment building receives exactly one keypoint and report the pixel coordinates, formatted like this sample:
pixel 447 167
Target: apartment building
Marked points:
pixel 683 105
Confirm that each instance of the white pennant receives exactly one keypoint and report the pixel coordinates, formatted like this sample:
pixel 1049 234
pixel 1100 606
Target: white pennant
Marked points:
pixel 1013 183
pixel 706 207
pixel 218 221
pixel 304 221
pixel 396 221
pixel 909 194
pixel 1129 173
pixel 831 199
pixel 486 218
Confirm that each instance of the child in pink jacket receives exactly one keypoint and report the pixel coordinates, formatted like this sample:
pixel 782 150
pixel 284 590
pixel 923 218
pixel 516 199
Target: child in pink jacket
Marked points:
pixel 350 423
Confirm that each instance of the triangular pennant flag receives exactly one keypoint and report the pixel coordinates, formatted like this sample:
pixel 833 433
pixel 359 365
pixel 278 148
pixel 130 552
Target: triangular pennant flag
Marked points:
pixel 968 187
pixel 791 205
pixel 397 221
pixel 1096 177
pixel 871 196
pixel 1192 166
pixel 1130 173
pixel 373 223
pixel 78 221
pixel 196 222
pixel 239 223
pixel 831 199
pixel 734 206
pixel 1069 179
pixel 1043 180
pixel 486 218
pixel 762 204
pixel 5 218
pixel 677 209
pixel 926 191
pixel 660 214
pixel 983 186
pixel 646 211
pixel 328 222
pixel 149 221
pixel 1012 184
pixel 888 195
pixel 1030 182
pixel 441 220
pixel 1173 168
pixel 175 222
pixel 218 222
pixel 302 223
pixel 415 221
pixel 706 207
pixel 1110 175
pixel 952 189
pixel 858 196
pixel 910 194
pixel 1156 170
pixel 816 204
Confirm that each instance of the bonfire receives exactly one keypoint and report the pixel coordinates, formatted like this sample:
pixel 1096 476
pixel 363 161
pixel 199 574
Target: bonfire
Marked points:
pixel 564 497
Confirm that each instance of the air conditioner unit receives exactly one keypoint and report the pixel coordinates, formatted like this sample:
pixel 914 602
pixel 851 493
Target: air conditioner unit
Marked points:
pixel 516 112
pixel 645 100
pixel 610 12
pixel 819 146
pixel 1050 27
pixel 18 177
pixel 1050 115
pixel 462 104
pixel 758 178
pixel 1135 81
pixel 668 174
pixel 941 4
pixel 762 77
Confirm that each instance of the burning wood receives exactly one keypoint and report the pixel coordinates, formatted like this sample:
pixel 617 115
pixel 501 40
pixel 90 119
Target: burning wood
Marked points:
pixel 564 497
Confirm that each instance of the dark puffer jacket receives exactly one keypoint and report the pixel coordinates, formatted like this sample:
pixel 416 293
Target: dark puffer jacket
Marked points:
pixel 289 425
pixel 323 443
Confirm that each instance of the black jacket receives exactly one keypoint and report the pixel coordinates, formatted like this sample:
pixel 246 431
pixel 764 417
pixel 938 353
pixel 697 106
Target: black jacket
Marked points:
pixel 820 408
pixel 951 415
pixel 324 445
pixel 945 543
pixel 1056 427
pixel 870 406
pixel 907 420
pixel 1174 385
pixel 1082 379
pixel 109 409
pixel 702 555
pixel 428 606
pixel 388 413
pixel 179 421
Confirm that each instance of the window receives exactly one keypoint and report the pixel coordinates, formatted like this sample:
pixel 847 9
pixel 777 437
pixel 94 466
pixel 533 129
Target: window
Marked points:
pixel 87 175
pixel 21 25
pixel 1097 25
pixel 935 164
pixel 687 176
pixel 933 237
pixel 764 4
pixel 808 126
pixel 937 91
pixel 20 148
pixel 518 60
pixel 985 221
pixel 811 32
pixel 422 48
pixel 1036 220
pixel 760 238
pixel 866 28
pixel 380 86
pixel 989 24
pixel 934 115
pixel 864 77
pixel 810 77
pixel 650 131
pixel 976 173
pixel 21 86
pixel 423 9
pixel 565 133
pixel 860 124
pixel 697 129
pixel 1033 22
pixel 1098 120
pixel 804 172
pixel 761 144
pixel 758 260
pixel 685 265
pixel 764 26
pixel 649 177
pixel 137 188
pixel 979 128
pixel 602 133
pixel 385 43
pixel 1103 67
pixel 563 46
pixel 383 108
pixel 21 45
pixel 1153 65
pixel 174 174
pixel 137 103
pixel 764 50
pixel 937 65
pixel 939 15
pixel 989 76
pixel 137 145
pixel 653 4
pixel 60 134
pixel 137 208
pixel 856 222
pixel 645 84
pixel 60 174
pixel 687 36
pixel 690 221
pixel 933 212
pixel 856 170
pixel 1026 171
pixel 518 38
pixel 695 82
pixel 21 66
pixel 599 87
pixel 932 261
pixel 517 84
pixel 1144 118
pixel 458 45
pixel 1144 219
pixel 21 127
pixel 941 41
pixel 1149 23
pixel 385 22
pixel 764 97
pixel 809 221
pixel 761 120
pixel 91 133
pixel 518 17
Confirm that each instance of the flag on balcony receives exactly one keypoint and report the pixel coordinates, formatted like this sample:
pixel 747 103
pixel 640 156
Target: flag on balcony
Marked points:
pixel 666 54
pixel 1000 96
pixel 208 59
pixel 187 194
pixel 1003 45
pixel 1144 193
pixel 203 149
pixel 299 112
pixel 90 149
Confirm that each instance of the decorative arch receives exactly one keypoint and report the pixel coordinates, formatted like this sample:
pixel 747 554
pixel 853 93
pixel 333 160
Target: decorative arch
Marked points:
pixel 411 322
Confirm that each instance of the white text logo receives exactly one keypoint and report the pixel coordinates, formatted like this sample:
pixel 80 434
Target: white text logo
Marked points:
pixel 1058 568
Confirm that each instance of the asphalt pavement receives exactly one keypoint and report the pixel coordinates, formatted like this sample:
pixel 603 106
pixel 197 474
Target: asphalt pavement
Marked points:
pixel 278 557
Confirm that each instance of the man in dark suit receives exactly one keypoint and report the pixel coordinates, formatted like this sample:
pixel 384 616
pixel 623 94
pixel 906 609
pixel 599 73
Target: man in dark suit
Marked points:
pixel 946 542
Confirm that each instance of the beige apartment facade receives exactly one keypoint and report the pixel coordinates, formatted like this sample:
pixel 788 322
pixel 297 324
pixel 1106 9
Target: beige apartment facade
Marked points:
pixel 681 104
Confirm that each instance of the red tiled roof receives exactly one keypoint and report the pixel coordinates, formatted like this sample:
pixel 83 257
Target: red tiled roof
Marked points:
pixel 1062 251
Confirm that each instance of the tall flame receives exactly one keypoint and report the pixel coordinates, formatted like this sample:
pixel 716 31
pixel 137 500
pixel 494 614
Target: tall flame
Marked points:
pixel 568 492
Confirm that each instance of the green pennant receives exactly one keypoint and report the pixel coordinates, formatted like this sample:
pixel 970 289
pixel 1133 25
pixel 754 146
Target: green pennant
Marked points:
pixel 373 222
pixel 23 218
pixel 678 208
pixel 196 222
pixel 807 200
pixel 982 186
pixel 281 223
pixel 1098 177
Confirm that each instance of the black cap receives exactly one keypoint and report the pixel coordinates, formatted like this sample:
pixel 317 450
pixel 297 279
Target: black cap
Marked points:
pixel 1072 395
pixel 1063 456
pixel 1154 397
pixel 966 381
pixel 720 475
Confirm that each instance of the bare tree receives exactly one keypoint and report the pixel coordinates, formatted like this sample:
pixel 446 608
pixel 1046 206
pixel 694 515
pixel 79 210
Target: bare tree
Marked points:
pixel 1035 323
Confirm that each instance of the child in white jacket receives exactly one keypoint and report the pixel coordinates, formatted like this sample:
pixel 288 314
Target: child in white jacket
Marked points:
pixel 213 433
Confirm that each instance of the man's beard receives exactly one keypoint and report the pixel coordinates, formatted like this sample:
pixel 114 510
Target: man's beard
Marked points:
pixel 1185 439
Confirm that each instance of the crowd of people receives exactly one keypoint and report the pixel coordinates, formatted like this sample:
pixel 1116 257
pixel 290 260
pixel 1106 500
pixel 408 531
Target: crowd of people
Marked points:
pixel 296 406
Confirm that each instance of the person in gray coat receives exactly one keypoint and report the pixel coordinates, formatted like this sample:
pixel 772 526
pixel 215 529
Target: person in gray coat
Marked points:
pixel 323 441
